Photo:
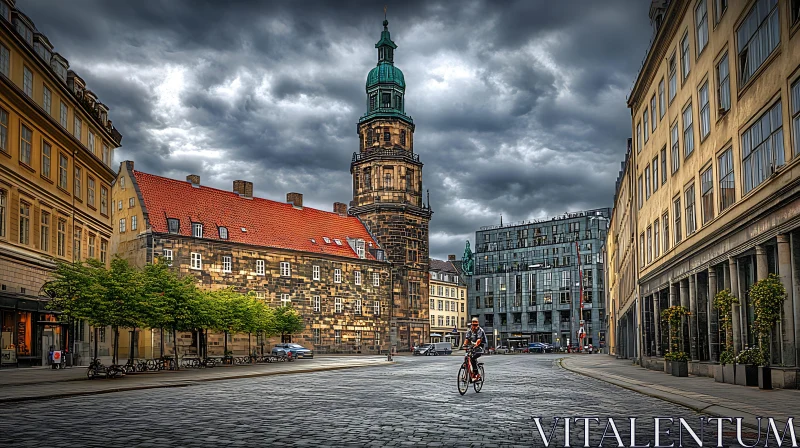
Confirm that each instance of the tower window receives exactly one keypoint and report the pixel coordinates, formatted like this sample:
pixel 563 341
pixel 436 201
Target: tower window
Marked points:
pixel 403 137
pixel 369 137
pixel 386 100
pixel 399 102
pixel 387 137
pixel 389 54
pixel 380 53
pixel 368 178
pixel 409 180
pixel 373 101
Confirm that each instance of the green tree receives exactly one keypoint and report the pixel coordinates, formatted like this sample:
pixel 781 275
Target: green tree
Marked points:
pixel 287 321
pixel 724 302
pixel 124 300
pixel 767 295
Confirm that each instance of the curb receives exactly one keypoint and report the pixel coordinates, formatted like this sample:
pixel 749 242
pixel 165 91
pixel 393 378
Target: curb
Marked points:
pixel 183 383
pixel 698 406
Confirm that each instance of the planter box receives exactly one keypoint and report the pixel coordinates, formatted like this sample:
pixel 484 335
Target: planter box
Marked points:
pixel 747 375
pixel 729 373
pixel 784 377
pixel 764 377
pixel 718 373
pixel 680 368
pixel 668 367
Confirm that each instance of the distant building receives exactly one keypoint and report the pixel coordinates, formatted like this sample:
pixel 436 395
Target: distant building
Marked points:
pixel 324 264
pixel 56 148
pixel 526 282
pixel 448 301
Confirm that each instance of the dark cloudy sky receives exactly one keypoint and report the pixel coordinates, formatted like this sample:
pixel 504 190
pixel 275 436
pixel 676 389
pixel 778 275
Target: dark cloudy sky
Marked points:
pixel 519 105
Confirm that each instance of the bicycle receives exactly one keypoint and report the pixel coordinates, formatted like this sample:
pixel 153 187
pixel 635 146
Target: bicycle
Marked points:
pixel 465 374
pixel 96 369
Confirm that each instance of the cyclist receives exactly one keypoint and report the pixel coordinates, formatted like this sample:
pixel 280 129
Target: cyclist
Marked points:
pixel 477 337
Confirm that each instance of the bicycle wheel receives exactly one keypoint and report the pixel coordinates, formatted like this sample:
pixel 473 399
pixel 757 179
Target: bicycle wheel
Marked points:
pixel 90 373
pixel 463 380
pixel 478 385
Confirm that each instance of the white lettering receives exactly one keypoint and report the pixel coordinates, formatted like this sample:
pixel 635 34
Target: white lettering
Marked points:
pixel 546 440
pixel 789 426
pixel 586 428
pixel 633 435
pixel 719 427
pixel 658 432
pixel 616 433
pixel 683 424
pixel 739 432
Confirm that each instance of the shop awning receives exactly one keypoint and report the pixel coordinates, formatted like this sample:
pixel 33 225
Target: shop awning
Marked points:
pixel 435 335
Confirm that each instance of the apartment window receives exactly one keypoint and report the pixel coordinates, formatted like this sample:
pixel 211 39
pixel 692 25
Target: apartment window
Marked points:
pixel 167 255
pixel 638 137
pixel 315 273
pixel 661 109
pixel 337 336
pixel 724 83
pixel 3 130
pixel 655 174
pixel 197 230
pixel 25 139
pixel 691 223
pixel 727 194
pixel 565 279
pixel 653 120
pixel 685 65
pixel 5 60
pixel 92 239
pixel 227 263
pixel 285 300
pixel 641 248
pixel 61 238
pixel 673 78
pixel 105 154
pixel 104 201
pixel 357 307
pixel 756 38
pixel 720 6
pixel 196 261
pixel 663 165
pixel 762 148
pixel 260 267
pixel 316 304
pixel 63 115
pixel 357 277
pixel 103 250
pixel 376 308
pixel 701 18
pixel 47 100
pixel 286 269
pixel 76 243
pixel 24 223
pixel 91 142
pixel 705 112
pixel 440 303
pixel 46 155
pixel 665 223
pixel 337 304
pixel 676 154
pixel 78 190
pixel 376 279
pixel 688 131
pixel 27 81
pixel 78 124
pixel 644 122
pixel 337 275
pixel 44 232
pixel 656 240
pixel 676 212
pixel 641 192
pixel 647 182
pixel 62 170
pixel 649 245
pixel 795 93
pixel 173 225
pixel 707 193
pixel 133 222
pixel 122 225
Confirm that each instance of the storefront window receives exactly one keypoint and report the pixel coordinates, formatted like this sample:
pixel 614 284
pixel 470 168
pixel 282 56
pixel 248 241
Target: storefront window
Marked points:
pixel 23 333
pixel 8 353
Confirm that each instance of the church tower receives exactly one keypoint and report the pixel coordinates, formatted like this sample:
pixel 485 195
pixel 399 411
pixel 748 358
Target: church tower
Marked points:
pixel 387 195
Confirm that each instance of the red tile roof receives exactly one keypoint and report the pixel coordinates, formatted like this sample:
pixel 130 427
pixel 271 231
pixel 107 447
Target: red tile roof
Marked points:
pixel 267 223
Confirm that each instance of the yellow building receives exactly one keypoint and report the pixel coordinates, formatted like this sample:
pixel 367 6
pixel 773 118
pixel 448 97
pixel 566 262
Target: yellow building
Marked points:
pixel 716 124
pixel 56 146
pixel 448 301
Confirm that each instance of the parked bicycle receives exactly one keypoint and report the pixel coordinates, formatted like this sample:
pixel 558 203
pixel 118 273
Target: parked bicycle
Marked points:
pixel 465 374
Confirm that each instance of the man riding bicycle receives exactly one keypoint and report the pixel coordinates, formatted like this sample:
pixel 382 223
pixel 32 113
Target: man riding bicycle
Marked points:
pixel 477 337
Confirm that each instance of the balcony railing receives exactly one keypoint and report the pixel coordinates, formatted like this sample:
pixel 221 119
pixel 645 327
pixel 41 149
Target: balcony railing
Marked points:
pixel 385 153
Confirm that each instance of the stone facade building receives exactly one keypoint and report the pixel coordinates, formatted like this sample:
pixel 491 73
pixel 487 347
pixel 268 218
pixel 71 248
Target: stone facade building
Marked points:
pixel 56 148
pixel 716 123
pixel 530 280
pixel 448 301
pixel 387 195
pixel 325 264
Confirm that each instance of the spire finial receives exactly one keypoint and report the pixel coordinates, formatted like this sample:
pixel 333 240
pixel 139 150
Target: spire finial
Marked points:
pixel 385 21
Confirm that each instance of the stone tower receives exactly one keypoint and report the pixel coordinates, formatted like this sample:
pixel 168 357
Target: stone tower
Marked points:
pixel 387 195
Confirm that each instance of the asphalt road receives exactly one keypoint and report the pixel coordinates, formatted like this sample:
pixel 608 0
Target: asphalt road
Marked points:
pixel 412 403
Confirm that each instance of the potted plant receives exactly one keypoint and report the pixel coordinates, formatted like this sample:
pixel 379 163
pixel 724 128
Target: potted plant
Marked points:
pixel 747 366
pixel 768 295
pixel 677 359
pixel 723 303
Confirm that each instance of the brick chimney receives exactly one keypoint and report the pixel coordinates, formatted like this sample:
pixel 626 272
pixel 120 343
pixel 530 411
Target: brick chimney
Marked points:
pixel 194 179
pixel 243 188
pixel 295 199
pixel 451 258
pixel 340 208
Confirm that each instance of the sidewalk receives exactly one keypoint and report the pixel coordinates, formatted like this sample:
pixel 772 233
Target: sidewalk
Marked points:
pixel 700 394
pixel 44 383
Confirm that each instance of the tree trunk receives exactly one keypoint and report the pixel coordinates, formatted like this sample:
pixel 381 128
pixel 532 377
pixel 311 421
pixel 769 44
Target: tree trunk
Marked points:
pixel 96 338
pixel 161 343
pixel 249 350
pixel 225 343
pixel 175 345
pixel 116 345
pixel 130 350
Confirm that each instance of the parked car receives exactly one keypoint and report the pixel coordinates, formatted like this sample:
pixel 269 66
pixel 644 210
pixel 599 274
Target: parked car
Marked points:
pixel 421 349
pixel 540 347
pixel 297 350
pixel 503 349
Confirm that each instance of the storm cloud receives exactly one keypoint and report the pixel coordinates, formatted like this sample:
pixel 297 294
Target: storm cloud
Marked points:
pixel 519 105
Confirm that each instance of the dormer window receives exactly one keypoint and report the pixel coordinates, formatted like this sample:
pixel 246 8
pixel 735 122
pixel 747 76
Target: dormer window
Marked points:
pixel 244 230
pixel 360 248
pixel 223 233
pixel 313 241
pixel 326 239
pixel 24 31
pixel 5 11
pixel 173 225
pixel 338 241
pixel 197 230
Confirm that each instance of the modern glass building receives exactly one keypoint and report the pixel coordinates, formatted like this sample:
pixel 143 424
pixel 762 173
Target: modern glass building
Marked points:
pixel 530 280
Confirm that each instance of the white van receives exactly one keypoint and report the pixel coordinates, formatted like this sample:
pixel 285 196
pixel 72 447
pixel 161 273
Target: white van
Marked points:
pixel 442 348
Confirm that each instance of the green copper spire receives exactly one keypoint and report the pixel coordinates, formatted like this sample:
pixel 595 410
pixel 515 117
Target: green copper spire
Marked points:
pixel 386 84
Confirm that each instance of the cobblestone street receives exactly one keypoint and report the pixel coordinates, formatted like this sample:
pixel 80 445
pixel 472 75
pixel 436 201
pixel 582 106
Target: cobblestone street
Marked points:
pixel 412 403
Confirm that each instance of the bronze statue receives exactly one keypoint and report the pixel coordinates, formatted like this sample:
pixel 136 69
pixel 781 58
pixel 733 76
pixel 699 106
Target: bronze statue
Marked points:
pixel 467 263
